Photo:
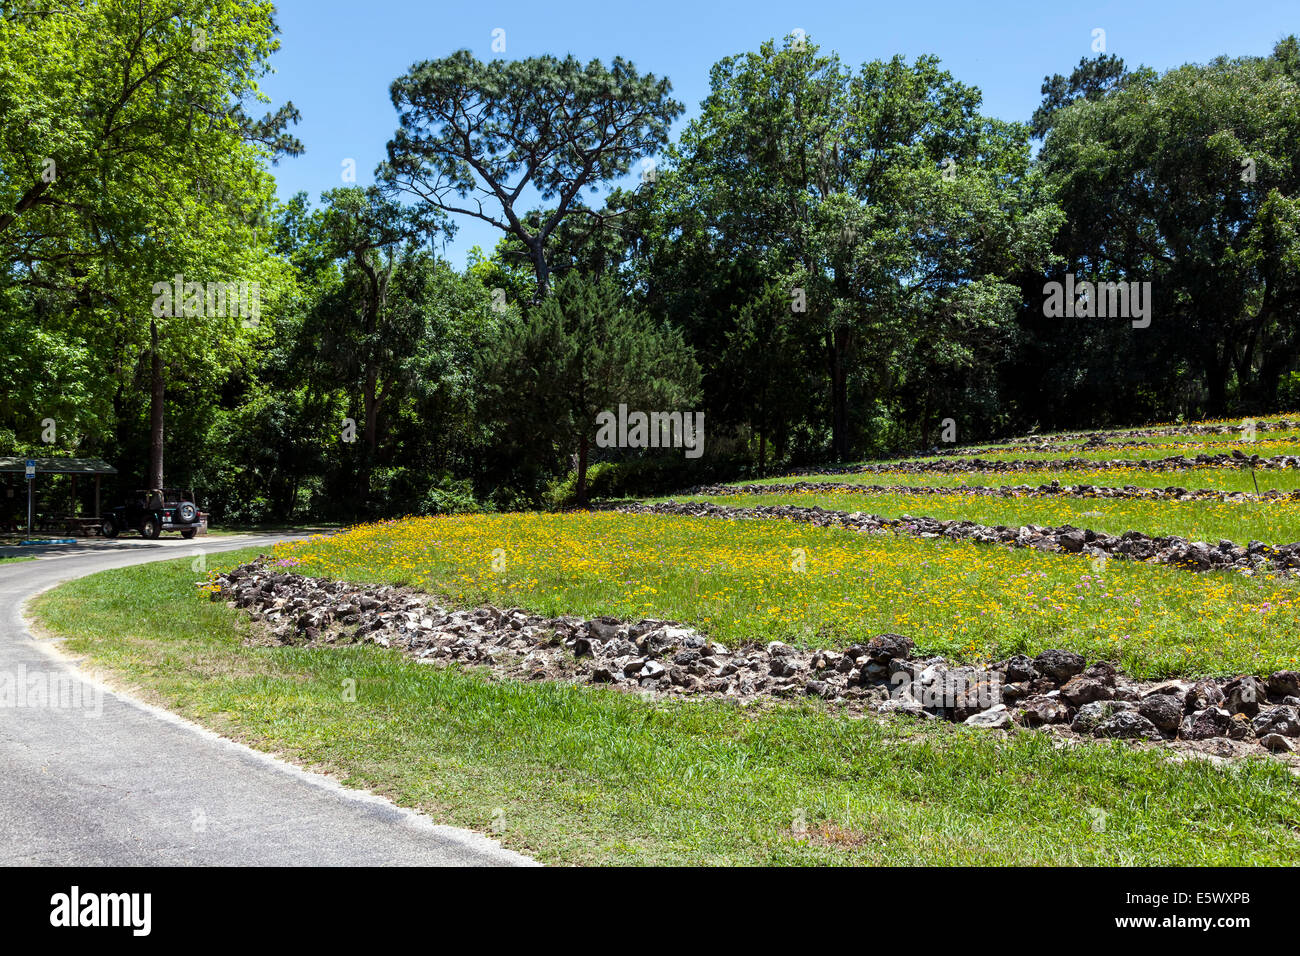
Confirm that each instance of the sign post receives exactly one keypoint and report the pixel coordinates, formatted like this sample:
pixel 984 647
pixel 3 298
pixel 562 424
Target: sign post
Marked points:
pixel 31 480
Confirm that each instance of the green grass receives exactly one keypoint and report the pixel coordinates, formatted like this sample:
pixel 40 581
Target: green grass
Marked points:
pixel 1230 479
pixel 1214 443
pixel 1118 436
pixel 771 579
pixel 584 775
pixel 1265 448
pixel 1158 446
pixel 274 527
pixel 1273 522
pixel 24 557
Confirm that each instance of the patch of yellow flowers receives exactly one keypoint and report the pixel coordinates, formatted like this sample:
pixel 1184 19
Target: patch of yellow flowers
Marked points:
pixel 1216 477
pixel 768 579
pixel 1274 522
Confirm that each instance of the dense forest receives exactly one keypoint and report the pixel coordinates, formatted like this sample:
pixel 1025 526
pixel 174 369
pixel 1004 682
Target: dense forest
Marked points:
pixel 828 262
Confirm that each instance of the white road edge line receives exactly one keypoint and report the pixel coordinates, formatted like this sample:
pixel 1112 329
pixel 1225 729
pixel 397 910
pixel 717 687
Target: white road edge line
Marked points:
pixel 412 818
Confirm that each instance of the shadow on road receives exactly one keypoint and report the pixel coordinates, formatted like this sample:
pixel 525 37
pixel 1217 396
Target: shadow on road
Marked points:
pixel 83 546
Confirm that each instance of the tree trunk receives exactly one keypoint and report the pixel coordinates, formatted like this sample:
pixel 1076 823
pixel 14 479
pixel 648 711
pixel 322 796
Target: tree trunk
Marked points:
pixel 1271 369
pixel 583 442
pixel 29 199
pixel 543 271
pixel 839 396
pixel 370 428
pixel 369 435
pixel 156 397
pixel 1216 382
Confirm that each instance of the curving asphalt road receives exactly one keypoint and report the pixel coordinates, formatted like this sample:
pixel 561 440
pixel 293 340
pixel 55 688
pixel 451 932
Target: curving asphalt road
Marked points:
pixel 103 779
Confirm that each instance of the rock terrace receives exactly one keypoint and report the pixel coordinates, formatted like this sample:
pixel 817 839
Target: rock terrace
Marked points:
pixel 1052 489
pixel 1172 550
pixel 1057 690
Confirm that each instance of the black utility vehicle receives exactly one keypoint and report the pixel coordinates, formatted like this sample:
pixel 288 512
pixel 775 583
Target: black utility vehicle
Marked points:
pixel 153 512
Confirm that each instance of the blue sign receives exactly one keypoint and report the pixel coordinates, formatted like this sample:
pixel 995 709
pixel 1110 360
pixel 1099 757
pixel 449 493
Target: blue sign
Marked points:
pixel 31 468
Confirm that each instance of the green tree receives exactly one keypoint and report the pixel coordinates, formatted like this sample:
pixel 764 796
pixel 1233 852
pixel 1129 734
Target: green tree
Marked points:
pixel 477 139
pixel 1091 80
pixel 126 159
pixel 1190 180
pixel 369 325
pixel 871 197
pixel 583 351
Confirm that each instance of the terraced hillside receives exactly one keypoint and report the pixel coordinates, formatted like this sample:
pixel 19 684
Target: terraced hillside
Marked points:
pixel 822 666
pixel 1020 550
pixel 1177 481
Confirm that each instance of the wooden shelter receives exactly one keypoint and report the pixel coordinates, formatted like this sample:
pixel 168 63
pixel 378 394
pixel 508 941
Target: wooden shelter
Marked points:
pixel 76 467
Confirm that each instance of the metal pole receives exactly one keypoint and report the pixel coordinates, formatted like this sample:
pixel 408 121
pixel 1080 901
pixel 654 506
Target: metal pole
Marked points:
pixel 30 482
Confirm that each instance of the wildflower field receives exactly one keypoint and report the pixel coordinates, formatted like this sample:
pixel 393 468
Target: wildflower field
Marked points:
pixel 584 774
pixel 761 580
pixel 1132 451
pixel 1211 477
pixel 1273 521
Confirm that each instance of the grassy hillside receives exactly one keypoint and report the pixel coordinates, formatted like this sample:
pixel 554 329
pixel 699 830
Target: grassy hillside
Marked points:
pixel 581 774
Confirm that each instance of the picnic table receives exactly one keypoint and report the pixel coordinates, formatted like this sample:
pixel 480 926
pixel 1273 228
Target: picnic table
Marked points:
pixel 70 524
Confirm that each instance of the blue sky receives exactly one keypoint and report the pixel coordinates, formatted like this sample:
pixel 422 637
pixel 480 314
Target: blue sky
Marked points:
pixel 338 57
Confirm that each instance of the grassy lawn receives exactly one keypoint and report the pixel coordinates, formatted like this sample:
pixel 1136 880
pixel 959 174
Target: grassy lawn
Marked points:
pixel 1178 444
pixel 740 581
pixel 1203 476
pixel 1273 522
pixel 1119 437
pixel 274 527
pixel 584 775
pixel 1264 447
pixel 24 557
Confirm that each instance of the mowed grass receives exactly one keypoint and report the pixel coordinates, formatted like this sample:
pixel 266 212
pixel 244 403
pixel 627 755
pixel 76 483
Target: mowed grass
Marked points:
pixel 1165 435
pixel 584 775
pixel 1214 478
pixel 1210 443
pixel 1265 448
pixel 1161 446
pixel 1273 522
pixel 769 579
pixel 1119 437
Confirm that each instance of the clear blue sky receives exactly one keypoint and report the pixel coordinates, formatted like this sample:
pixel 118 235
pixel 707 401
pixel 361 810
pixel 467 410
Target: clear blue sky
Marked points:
pixel 338 57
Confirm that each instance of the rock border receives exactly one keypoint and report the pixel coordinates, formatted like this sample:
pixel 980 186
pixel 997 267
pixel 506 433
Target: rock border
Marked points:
pixel 1052 489
pixel 966 465
pixel 1277 425
pixel 1171 550
pixel 1056 690
pixel 1092 443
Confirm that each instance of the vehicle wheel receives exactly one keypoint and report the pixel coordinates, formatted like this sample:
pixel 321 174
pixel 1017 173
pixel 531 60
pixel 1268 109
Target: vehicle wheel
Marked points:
pixel 150 528
pixel 189 533
pixel 187 512
pixel 108 528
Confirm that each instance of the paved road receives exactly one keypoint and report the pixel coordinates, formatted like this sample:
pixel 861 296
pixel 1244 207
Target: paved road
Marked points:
pixel 135 785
